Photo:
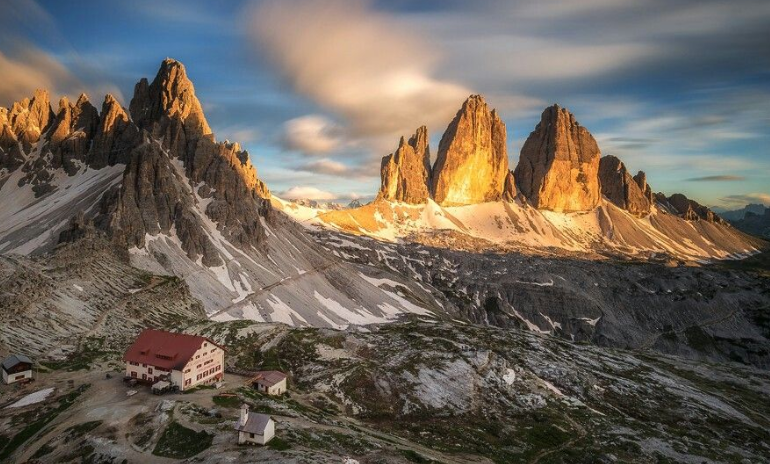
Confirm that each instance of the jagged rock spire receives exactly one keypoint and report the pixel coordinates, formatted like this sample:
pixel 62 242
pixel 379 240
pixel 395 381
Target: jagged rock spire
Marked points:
pixel 168 108
pixel 405 174
pixel 620 188
pixel 472 161
pixel 559 164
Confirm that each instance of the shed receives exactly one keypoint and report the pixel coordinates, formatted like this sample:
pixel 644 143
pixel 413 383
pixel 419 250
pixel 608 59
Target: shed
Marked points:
pixel 270 382
pixel 254 428
pixel 16 368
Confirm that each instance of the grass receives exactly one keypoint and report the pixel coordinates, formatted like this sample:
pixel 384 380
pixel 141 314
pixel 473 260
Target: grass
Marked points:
pixel 44 450
pixel 179 442
pixel 30 430
pixel 227 401
pixel 414 456
pixel 278 444
pixel 82 429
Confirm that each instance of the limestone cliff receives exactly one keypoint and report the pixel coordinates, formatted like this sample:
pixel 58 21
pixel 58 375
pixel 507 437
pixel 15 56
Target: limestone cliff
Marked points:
pixel 472 160
pixel 620 188
pixel 559 165
pixel 405 174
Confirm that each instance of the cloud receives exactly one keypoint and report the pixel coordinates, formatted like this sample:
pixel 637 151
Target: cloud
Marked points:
pixel 716 178
pixel 325 166
pixel 743 200
pixel 312 134
pixel 360 64
pixel 307 192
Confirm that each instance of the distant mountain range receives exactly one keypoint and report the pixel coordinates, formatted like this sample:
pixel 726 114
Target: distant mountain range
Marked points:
pixel 753 219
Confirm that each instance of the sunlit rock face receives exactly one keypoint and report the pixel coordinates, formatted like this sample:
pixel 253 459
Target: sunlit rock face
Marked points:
pixel 472 161
pixel 405 174
pixel 620 188
pixel 559 165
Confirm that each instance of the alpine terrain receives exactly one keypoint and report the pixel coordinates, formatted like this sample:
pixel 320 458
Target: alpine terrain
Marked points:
pixel 558 310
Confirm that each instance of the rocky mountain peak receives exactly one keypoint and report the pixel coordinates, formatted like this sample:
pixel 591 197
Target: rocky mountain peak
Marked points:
pixel 621 189
pixel 168 108
pixel 114 137
pixel 405 174
pixel 472 161
pixel 559 164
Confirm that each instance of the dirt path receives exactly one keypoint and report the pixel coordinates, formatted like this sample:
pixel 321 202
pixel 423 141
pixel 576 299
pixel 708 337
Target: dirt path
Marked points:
pixel 581 433
pixel 154 282
pixel 267 288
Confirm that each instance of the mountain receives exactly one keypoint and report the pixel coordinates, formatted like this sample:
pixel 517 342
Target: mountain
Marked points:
pixel 756 224
pixel 156 183
pixel 562 195
pixel 559 164
pixel 472 161
pixel 738 214
pixel 405 173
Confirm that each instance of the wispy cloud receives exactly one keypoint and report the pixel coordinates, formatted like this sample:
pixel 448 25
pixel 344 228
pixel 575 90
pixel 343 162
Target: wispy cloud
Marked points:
pixel 743 200
pixel 312 134
pixel 358 63
pixel 716 178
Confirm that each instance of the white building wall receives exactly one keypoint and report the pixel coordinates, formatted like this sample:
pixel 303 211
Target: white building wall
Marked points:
pixel 206 366
pixel 278 388
pixel 244 437
pixel 17 377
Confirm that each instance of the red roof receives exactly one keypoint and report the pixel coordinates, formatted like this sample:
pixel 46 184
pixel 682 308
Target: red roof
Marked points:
pixel 166 350
pixel 269 378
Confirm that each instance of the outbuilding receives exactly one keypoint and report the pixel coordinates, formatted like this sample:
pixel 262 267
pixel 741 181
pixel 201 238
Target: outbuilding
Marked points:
pixel 270 382
pixel 254 428
pixel 16 368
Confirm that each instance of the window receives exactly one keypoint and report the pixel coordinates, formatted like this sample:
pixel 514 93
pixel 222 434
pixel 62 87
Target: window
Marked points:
pixel 251 435
pixel 144 376
pixel 149 371
pixel 133 374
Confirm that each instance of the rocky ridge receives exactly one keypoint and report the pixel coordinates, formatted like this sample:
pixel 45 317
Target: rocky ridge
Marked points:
pixel 623 190
pixel 155 182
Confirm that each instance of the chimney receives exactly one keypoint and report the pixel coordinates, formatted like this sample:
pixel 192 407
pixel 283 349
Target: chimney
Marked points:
pixel 244 414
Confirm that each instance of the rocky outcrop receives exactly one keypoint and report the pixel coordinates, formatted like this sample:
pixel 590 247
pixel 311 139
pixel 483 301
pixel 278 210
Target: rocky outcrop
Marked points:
pixel 641 180
pixel 71 133
pixel 620 188
pixel 115 136
pixel 559 164
pixel 509 191
pixel 687 209
pixel 472 161
pixel 168 108
pixel 405 174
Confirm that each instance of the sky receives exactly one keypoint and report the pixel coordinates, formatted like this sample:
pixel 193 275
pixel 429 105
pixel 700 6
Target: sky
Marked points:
pixel 319 90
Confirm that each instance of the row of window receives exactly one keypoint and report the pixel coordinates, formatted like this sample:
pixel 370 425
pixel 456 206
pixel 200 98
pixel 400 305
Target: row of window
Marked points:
pixel 209 372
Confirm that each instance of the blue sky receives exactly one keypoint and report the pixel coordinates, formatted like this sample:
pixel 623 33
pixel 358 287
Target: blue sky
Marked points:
pixel 319 91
